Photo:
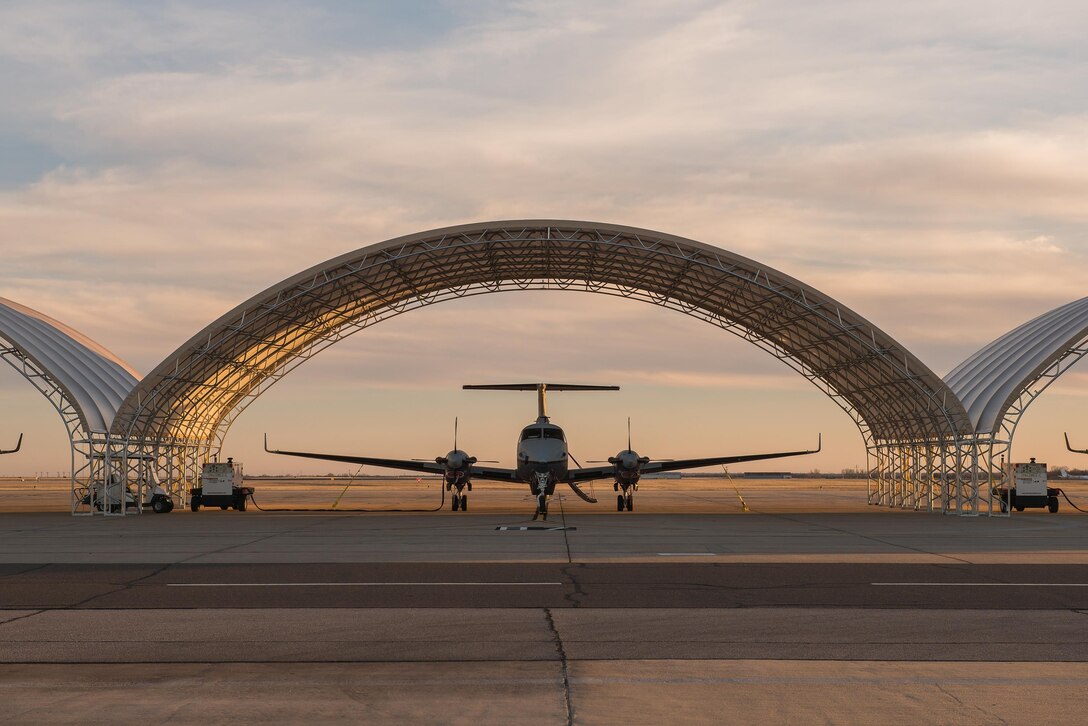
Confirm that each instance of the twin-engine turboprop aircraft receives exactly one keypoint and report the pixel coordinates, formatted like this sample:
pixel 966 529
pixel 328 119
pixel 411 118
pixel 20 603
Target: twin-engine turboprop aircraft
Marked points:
pixel 542 458
pixel 18 445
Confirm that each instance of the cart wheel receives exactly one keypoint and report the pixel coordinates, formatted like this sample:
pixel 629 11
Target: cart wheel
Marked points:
pixel 160 505
pixel 194 503
pixel 1052 505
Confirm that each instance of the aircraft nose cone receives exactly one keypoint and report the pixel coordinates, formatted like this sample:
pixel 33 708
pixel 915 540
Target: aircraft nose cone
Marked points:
pixel 455 460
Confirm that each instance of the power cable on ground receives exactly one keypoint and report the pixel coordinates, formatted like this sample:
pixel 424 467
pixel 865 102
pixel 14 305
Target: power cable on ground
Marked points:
pixel 1074 506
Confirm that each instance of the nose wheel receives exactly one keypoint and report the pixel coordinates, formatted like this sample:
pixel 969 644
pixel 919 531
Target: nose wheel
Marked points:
pixel 541 507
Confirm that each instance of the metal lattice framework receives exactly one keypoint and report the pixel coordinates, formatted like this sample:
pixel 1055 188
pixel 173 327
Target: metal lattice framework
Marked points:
pixel 186 405
pixel 83 381
pixel 931 444
pixel 1000 381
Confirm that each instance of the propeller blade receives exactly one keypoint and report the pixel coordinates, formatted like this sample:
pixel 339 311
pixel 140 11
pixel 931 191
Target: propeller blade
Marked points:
pixel 628 433
pixel 455 433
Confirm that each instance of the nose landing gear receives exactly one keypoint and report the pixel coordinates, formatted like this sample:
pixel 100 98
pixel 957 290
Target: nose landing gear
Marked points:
pixel 541 507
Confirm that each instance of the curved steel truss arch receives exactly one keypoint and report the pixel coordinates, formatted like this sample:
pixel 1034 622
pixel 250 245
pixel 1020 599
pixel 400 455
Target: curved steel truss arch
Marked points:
pixel 192 397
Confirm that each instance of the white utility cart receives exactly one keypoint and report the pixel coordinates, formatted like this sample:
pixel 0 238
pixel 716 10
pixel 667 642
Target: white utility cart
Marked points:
pixel 220 486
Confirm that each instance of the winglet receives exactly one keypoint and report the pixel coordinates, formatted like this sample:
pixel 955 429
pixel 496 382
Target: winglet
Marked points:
pixel 1075 451
pixel 18 445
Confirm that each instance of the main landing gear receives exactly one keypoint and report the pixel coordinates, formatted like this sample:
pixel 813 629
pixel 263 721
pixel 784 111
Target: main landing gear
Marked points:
pixel 626 500
pixel 459 501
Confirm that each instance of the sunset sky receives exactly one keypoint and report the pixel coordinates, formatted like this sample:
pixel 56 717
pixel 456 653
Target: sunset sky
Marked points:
pixel 924 163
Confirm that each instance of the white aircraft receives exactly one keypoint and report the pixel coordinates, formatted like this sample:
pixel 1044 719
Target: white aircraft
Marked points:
pixel 542 458
pixel 18 445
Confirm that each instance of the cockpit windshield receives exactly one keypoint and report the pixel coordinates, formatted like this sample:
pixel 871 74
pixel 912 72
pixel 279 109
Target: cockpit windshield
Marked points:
pixel 542 433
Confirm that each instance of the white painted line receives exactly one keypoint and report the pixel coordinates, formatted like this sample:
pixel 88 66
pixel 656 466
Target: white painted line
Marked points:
pixel 685 554
pixel 979 584
pixel 362 584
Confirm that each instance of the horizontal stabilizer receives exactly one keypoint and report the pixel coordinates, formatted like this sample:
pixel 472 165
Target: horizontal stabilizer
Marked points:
pixel 541 391
pixel 535 386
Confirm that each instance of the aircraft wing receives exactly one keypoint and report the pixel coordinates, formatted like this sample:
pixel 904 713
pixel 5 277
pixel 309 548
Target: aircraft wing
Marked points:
pixel 429 467
pixel 18 446
pixel 654 467
pixel 493 473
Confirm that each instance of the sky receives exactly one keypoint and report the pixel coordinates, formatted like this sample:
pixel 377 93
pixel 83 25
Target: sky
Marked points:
pixel 924 163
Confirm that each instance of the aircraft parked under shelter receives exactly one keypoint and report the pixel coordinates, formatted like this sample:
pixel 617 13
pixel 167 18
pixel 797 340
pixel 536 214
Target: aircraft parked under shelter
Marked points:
pixel 542 459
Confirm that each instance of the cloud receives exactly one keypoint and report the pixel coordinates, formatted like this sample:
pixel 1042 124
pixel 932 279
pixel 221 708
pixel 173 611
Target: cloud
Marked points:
pixel 922 163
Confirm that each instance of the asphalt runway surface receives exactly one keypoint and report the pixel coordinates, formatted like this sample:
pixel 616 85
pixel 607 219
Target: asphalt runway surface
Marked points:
pixel 551 585
pixel 810 607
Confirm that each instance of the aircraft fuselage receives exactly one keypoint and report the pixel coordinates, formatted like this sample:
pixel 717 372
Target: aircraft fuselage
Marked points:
pixel 542 456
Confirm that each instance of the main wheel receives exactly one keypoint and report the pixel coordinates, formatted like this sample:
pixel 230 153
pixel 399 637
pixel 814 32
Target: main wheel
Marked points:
pixel 1052 505
pixel 619 503
pixel 194 503
pixel 456 501
pixel 630 503
pixel 464 502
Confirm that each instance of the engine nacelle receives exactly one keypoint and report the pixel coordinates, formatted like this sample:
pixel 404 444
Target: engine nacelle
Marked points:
pixel 627 468
pixel 458 469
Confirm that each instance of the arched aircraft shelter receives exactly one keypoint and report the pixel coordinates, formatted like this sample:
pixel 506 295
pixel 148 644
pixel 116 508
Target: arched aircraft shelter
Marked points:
pixel 925 448
pixel 189 401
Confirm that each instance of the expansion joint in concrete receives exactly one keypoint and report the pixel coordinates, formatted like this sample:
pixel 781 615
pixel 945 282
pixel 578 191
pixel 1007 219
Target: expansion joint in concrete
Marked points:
pixel 563 669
